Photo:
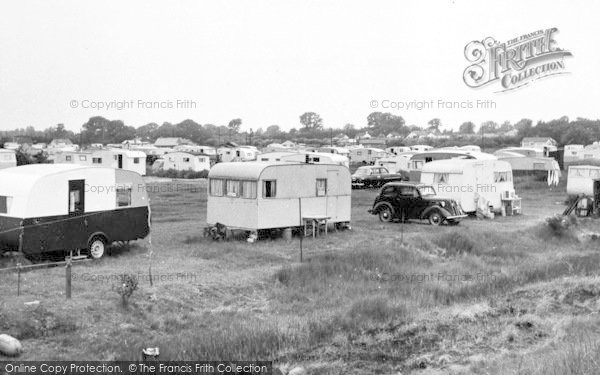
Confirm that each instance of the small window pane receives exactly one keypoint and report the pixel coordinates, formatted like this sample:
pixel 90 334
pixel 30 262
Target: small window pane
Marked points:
pixel 216 187
pixel 233 188
pixel 123 197
pixel 270 189
pixel 321 187
pixel 249 189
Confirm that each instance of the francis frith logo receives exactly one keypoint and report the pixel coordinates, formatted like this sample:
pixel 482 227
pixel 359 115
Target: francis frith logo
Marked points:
pixel 515 63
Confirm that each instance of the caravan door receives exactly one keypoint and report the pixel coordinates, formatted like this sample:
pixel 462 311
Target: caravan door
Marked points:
pixel 76 197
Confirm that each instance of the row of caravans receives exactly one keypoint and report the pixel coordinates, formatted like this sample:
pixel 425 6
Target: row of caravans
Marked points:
pixel 61 207
pixel 130 160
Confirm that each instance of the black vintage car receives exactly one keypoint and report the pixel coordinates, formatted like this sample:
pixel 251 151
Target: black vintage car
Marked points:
pixel 407 200
pixel 374 176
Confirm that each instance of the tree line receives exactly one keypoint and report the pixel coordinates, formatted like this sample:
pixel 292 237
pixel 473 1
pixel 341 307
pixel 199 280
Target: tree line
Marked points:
pixel 311 130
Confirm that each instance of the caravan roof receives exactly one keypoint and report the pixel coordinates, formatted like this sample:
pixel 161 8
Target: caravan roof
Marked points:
pixel 250 170
pixel 20 180
pixel 242 170
pixel 458 165
pixel 455 154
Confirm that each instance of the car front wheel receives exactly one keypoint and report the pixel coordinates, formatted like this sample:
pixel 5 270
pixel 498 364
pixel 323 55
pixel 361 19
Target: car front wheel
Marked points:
pixel 436 218
pixel 386 214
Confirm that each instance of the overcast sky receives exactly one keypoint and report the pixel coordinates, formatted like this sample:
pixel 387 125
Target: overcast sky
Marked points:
pixel 267 62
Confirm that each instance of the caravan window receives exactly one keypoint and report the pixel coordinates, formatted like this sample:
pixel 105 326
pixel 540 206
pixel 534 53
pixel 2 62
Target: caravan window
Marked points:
pixel 233 188
pixel 3 204
pixel 68 158
pixel 186 160
pixel 321 187
pixel 82 157
pixel 269 189
pixel 249 189
pixel 97 160
pixel 441 178
pixel 216 187
pixel 123 196
pixel 503 176
pixel 136 160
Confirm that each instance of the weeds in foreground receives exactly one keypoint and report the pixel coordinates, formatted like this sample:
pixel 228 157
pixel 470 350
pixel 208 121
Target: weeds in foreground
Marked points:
pixel 126 287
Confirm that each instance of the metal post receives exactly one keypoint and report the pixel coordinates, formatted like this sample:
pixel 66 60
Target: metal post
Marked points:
pixel 18 279
pixel 68 276
pixel 303 226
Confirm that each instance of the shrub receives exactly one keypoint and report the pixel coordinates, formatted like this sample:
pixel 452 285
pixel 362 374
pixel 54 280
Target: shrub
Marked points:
pixel 173 173
pixel 456 244
pixel 372 308
pixel 128 285
pixel 560 226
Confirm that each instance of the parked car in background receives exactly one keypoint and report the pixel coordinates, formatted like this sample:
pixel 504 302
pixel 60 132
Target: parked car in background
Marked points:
pixel 408 200
pixel 375 176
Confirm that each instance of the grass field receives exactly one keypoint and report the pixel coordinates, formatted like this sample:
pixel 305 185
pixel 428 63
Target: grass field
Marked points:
pixel 503 296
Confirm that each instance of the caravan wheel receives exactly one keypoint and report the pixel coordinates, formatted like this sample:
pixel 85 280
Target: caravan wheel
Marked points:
pixel 97 247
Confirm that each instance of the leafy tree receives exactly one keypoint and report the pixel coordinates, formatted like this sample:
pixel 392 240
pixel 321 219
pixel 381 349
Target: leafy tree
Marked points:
pixel 506 127
pixel 524 127
pixel 273 131
pixel 489 127
pixel 311 121
pixel 434 124
pixel 147 131
pixel 100 130
pixel 350 130
pixel 234 125
pixel 467 127
pixel 383 123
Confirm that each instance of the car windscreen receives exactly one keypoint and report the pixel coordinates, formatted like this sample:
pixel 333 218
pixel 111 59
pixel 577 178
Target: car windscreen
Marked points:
pixel 427 190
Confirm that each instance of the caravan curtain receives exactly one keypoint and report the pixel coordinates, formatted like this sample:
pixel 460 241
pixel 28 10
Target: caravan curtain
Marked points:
pixel 440 178
pixel 233 188
pixel 249 189
pixel 503 176
pixel 216 187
